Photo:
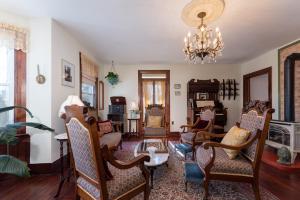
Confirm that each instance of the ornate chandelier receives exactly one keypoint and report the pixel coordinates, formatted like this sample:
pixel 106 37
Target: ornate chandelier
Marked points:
pixel 205 45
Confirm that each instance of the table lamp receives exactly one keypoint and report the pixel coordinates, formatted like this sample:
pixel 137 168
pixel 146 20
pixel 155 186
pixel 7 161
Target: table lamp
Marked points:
pixel 71 100
pixel 134 110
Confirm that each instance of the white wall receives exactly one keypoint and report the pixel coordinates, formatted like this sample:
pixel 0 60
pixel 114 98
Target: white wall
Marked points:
pixel 48 43
pixel 64 46
pixel 181 74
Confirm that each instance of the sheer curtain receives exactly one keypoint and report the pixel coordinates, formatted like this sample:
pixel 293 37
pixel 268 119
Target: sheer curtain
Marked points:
pixel 159 88
pixel 11 38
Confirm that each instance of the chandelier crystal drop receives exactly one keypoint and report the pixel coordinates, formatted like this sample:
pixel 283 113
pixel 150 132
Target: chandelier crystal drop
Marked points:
pixel 205 45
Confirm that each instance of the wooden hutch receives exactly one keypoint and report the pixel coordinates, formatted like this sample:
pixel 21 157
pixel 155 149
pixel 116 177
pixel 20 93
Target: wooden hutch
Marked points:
pixel 201 93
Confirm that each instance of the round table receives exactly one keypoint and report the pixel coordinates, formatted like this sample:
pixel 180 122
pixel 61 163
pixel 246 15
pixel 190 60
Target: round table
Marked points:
pixel 157 160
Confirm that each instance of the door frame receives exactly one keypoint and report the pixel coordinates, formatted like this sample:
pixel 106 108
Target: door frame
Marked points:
pixel 246 84
pixel 167 95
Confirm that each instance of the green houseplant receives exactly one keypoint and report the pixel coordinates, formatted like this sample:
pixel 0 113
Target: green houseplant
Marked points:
pixel 112 78
pixel 8 136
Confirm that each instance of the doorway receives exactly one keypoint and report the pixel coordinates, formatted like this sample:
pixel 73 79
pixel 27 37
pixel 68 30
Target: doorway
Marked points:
pixel 154 88
pixel 258 86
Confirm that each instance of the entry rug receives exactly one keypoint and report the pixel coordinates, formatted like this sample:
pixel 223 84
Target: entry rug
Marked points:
pixel 169 182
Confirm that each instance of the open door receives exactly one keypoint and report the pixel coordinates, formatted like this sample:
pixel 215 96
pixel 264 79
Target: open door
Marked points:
pixel 154 88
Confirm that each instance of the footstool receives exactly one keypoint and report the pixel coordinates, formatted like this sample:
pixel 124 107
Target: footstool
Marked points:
pixel 192 173
pixel 184 149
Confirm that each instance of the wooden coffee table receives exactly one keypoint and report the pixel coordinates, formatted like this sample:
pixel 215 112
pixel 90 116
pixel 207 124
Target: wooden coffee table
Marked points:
pixel 160 157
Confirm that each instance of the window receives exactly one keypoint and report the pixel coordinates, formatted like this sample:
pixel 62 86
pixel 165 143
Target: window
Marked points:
pixel 89 94
pixel 6 83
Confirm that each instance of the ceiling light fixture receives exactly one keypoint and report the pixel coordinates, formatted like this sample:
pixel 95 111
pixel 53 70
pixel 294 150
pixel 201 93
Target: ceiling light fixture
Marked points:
pixel 205 45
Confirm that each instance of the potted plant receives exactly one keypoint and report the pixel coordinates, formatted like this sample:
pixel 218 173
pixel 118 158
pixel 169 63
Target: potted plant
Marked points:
pixel 112 78
pixel 8 136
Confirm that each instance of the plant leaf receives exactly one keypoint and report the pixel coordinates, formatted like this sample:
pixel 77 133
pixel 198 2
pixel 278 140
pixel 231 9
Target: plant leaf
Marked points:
pixel 8 135
pixel 5 109
pixel 31 124
pixel 12 165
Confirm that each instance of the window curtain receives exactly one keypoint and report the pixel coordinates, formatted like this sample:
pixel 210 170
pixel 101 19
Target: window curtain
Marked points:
pixel 147 93
pixel 160 92
pixel 13 37
pixel 89 70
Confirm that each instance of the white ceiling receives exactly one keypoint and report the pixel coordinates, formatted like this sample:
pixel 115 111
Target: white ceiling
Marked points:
pixel 152 32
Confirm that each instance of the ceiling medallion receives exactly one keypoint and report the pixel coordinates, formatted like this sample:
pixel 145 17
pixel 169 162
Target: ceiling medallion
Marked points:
pixel 205 45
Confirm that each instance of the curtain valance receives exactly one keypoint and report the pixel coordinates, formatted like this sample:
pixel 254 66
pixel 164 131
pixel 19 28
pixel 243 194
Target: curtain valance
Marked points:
pixel 13 37
pixel 88 68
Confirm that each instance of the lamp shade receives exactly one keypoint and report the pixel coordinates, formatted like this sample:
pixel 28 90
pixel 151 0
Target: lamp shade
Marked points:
pixel 133 106
pixel 71 100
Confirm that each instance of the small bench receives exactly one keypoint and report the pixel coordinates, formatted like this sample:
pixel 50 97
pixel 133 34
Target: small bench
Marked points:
pixel 184 149
pixel 192 173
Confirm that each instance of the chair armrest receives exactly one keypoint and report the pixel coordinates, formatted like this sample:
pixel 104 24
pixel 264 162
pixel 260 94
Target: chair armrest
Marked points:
pixel 108 156
pixel 213 135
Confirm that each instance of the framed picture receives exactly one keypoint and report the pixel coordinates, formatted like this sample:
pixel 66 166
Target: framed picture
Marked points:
pixel 177 86
pixel 68 74
pixel 177 93
pixel 203 96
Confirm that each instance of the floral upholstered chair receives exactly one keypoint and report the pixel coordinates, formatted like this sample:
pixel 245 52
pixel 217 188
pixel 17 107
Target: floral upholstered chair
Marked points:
pixel 98 174
pixel 189 134
pixel 109 134
pixel 155 125
pixel 216 164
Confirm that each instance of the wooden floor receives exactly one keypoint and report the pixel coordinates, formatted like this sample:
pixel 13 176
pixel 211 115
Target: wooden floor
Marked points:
pixel 284 185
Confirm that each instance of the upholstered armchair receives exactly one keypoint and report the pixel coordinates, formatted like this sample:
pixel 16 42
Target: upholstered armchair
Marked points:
pixel 98 174
pixel 155 125
pixel 190 133
pixel 215 162
pixel 109 134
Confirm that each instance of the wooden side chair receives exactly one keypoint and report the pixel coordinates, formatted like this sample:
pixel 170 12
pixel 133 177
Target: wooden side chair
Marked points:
pixel 189 134
pixel 98 174
pixel 155 125
pixel 216 164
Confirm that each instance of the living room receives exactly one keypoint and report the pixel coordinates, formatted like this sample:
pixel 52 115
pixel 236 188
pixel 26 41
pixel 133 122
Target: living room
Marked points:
pixel 124 61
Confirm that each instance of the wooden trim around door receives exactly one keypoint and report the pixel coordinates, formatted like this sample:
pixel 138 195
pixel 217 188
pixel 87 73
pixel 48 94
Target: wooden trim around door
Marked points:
pixel 167 95
pixel 246 83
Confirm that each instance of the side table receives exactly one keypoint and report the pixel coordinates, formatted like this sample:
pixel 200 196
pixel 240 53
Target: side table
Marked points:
pixel 134 132
pixel 62 138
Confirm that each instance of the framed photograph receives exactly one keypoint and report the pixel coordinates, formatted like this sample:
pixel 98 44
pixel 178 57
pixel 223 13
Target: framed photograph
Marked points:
pixel 203 96
pixel 177 86
pixel 68 74
pixel 177 93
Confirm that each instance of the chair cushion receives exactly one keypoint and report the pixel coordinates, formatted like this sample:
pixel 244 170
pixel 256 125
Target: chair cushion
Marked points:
pixel 222 163
pixel 122 182
pixel 112 140
pixel 193 173
pixel 187 137
pixel 105 127
pixel 154 121
pixel 154 131
pixel 235 136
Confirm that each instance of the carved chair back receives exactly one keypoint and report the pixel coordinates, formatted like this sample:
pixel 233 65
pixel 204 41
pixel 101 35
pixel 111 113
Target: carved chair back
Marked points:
pixel 155 110
pixel 84 142
pixel 256 119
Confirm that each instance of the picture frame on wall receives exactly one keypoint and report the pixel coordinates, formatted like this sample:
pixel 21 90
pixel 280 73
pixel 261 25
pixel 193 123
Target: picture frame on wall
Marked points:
pixel 100 95
pixel 68 73
pixel 177 93
pixel 177 86
pixel 203 96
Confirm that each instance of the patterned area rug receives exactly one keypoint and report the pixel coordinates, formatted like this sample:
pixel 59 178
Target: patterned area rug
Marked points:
pixel 169 182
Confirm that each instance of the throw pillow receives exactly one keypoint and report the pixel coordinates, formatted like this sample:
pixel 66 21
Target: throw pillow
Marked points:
pixel 105 127
pixel 235 136
pixel 154 121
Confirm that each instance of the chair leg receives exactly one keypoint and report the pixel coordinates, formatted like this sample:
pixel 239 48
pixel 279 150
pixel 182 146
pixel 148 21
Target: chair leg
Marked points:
pixel 147 193
pixel 206 192
pixel 255 187
pixel 77 197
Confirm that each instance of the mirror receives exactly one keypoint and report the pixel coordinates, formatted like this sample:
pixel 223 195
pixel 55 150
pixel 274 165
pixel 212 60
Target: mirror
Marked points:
pixel 100 95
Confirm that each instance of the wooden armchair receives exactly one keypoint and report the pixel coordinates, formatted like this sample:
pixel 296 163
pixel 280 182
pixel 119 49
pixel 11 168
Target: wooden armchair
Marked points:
pixel 159 130
pixel 190 133
pixel 215 163
pixel 98 174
